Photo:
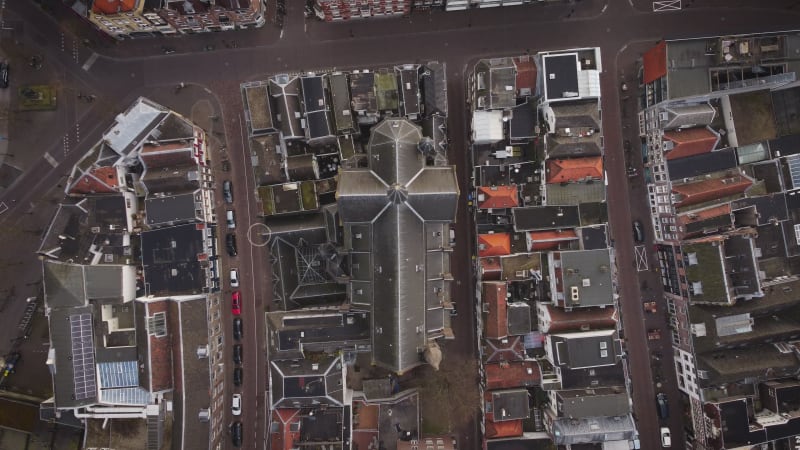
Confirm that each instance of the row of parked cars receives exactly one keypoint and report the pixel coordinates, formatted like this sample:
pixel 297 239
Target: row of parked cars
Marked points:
pixel 236 309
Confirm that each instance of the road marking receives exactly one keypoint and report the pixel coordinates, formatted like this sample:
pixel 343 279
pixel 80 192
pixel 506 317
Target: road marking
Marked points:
pixel 50 159
pixel 88 64
pixel 641 258
pixel 666 5
pixel 3 207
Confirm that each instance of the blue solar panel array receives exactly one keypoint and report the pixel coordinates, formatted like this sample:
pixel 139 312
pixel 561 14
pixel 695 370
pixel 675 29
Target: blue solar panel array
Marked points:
pixel 85 379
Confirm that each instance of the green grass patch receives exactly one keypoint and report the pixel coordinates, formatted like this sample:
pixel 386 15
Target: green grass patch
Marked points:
pixel 37 98
pixel 267 200
pixel 309 195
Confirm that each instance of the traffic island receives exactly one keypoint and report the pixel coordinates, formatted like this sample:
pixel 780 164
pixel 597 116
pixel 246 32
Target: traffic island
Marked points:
pixel 37 98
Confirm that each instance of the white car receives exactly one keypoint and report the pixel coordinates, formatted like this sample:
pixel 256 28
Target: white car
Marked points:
pixel 230 220
pixel 666 439
pixel 236 405
pixel 234 277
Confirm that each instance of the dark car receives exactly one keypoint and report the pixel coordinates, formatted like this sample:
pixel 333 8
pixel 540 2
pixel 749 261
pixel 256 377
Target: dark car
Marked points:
pixel 3 74
pixel 638 231
pixel 237 328
pixel 663 406
pixel 236 434
pixel 237 376
pixel 237 354
pixel 227 191
pixel 230 244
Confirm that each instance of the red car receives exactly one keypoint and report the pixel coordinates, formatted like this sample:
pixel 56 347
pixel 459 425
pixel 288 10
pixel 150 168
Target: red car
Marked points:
pixel 236 303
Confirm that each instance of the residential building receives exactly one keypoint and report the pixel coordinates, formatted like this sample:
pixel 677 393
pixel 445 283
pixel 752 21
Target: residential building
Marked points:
pixel 713 132
pixel 132 19
pixel 333 10
pixel 130 269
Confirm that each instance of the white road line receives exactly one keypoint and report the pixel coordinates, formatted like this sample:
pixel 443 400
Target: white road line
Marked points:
pixel 50 159
pixel 3 207
pixel 641 258
pixel 666 5
pixel 88 64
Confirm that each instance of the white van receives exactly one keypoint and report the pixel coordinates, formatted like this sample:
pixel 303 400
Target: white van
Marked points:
pixel 230 220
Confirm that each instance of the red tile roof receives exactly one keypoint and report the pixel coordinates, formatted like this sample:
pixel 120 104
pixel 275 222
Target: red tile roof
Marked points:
pixel 707 190
pixel 549 239
pixel 655 62
pixel 160 353
pixel 112 6
pixel 512 375
pixel 284 438
pixel 574 169
pixel 690 142
pixel 704 214
pixel 491 268
pixel 174 324
pixel 498 197
pixel 526 73
pixel 494 295
pixel 495 244
pixel 579 319
pixel 504 429
pixel 98 180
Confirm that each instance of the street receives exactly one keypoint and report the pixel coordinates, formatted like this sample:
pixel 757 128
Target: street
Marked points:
pixel 118 73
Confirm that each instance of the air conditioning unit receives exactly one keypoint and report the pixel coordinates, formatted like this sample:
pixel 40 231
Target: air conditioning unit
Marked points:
pixel 574 294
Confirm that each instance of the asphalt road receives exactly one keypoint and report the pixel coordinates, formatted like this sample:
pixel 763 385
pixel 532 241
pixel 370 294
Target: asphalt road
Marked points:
pixel 121 72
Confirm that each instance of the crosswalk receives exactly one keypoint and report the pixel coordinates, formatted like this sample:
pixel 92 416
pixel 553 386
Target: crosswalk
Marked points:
pixel 666 5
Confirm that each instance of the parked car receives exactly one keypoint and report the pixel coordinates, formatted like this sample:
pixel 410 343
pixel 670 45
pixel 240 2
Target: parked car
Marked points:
pixel 236 405
pixel 666 439
pixel 237 354
pixel 663 406
pixel 638 231
pixel 227 191
pixel 230 220
pixel 454 311
pixel 237 376
pixel 230 243
pixel 3 74
pixel 237 329
pixel 236 434
pixel 234 277
pixel 236 303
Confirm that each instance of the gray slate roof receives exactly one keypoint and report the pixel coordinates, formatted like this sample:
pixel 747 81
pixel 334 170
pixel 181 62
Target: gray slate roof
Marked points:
pixel 385 208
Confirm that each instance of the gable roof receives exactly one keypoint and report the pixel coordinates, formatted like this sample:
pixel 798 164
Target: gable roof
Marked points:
pixel 111 7
pixel 498 196
pixel 556 320
pixel 495 244
pixel 575 169
pixel 494 295
pixel 95 180
pixel 549 239
pixel 690 142
pixel 655 62
pixel 710 189
pixel 513 375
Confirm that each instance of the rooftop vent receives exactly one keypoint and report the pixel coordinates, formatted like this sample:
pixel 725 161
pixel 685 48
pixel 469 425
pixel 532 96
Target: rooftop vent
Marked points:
pixel 574 294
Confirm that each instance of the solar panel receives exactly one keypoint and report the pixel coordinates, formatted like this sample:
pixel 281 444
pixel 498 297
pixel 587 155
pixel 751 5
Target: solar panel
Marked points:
pixel 83 369
pixel 794 169
pixel 119 374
